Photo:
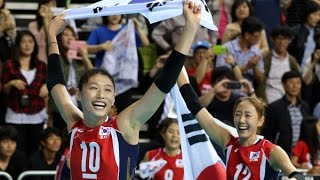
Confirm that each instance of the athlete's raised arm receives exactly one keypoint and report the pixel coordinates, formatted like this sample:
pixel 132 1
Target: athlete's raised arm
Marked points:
pixel 132 118
pixel 55 76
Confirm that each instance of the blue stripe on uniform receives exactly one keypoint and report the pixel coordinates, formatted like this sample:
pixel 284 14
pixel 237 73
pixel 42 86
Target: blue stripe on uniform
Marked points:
pixel 128 155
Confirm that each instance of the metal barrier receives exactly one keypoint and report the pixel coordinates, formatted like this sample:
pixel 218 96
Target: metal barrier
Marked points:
pixel 36 173
pixel 6 175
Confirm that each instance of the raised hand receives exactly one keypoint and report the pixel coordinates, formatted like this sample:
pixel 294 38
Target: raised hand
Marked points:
pixel 221 86
pixel 57 25
pixel 192 14
pixel 107 46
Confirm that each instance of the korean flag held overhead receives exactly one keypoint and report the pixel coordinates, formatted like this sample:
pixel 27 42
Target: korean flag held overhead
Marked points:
pixel 153 10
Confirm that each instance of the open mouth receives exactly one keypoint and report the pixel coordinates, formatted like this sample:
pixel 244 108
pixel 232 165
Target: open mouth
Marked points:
pixel 99 104
pixel 174 141
pixel 243 127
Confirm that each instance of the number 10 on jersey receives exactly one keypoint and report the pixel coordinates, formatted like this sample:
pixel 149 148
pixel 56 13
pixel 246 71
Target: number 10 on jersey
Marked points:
pixel 94 160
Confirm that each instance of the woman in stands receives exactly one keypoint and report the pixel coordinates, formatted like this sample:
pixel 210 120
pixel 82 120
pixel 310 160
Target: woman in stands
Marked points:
pixel 39 27
pixel 23 79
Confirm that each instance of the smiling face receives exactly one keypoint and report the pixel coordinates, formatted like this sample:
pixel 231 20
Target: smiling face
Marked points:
pixel 171 137
pixel 246 121
pixel 96 97
pixel 26 45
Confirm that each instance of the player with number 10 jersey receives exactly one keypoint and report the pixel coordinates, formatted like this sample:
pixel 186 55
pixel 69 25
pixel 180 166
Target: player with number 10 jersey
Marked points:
pixel 101 152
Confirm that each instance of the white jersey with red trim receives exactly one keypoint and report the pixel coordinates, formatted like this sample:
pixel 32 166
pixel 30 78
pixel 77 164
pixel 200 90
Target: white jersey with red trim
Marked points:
pixel 251 162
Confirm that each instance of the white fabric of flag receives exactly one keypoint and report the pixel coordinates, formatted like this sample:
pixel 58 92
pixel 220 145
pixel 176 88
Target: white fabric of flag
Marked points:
pixel 200 159
pixel 122 61
pixel 153 10
pixel 150 168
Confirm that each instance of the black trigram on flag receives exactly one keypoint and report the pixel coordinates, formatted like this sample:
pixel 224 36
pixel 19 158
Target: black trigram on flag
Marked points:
pixel 193 130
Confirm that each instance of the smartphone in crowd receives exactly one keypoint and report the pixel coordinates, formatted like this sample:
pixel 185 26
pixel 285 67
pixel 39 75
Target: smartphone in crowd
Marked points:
pixel 233 85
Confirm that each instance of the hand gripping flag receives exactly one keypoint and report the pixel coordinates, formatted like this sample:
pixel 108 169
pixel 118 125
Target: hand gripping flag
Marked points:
pixel 153 10
pixel 200 159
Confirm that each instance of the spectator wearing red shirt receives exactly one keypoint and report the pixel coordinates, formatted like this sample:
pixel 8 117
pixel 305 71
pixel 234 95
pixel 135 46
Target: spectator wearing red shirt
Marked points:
pixel 306 151
pixel 23 80
pixel 203 61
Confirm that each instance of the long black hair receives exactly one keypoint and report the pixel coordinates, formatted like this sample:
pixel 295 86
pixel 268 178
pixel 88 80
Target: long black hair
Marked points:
pixel 309 134
pixel 16 51
pixel 85 78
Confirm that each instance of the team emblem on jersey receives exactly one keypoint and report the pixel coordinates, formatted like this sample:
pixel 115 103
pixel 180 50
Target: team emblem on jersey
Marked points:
pixel 179 163
pixel 254 156
pixel 104 132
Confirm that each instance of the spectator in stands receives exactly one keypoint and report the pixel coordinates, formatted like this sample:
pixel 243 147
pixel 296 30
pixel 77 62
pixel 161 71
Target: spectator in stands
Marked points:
pixel 220 99
pixel 284 116
pixel 7 32
pixel 203 65
pixel 294 9
pixel 99 42
pixel 12 160
pixel 39 27
pixel 276 63
pixel 303 44
pixel 240 10
pixel 7 37
pixel 73 69
pixel 305 153
pixel 221 15
pixel 167 33
pixel 170 152
pixel 247 56
pixel 48 157
pixel 23 80
pixel 311 75
pixel 202 68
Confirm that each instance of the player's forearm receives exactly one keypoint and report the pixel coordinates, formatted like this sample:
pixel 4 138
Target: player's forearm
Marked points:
pixel 186 39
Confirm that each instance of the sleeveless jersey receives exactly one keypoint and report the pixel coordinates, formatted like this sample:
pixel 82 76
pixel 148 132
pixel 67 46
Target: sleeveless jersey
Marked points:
pixel 101 152
pixel 173 170
pixel 249 163
pixel 63 171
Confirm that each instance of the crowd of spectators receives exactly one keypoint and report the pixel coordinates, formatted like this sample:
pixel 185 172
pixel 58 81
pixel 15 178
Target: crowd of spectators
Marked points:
pixel 272 52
